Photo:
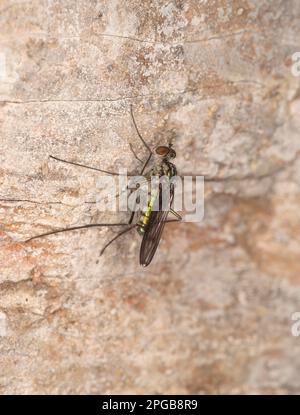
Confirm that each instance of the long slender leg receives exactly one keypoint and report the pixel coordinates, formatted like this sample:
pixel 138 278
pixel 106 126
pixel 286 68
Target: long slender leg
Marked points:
pixel 213 179
pixel 107 171
pixel 142 140
pixel 110 172
pixel 146 164
pixel 74 228
pixel 134 153
pixel 149 156
pixel 102 171
pixel 116 237
pixel 138 132
pixel 179 217
pixel 90 168
pixel 172 220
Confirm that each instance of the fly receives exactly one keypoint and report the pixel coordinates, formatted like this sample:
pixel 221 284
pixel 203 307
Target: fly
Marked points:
pixel 150 224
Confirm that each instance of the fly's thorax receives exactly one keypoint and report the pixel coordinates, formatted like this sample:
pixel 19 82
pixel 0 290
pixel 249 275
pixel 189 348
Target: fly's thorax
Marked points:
pixel 159 174
pixel 169 169
pixel 164 168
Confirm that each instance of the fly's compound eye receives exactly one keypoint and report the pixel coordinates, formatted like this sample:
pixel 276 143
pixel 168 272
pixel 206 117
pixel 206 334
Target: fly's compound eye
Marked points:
pixel 162 151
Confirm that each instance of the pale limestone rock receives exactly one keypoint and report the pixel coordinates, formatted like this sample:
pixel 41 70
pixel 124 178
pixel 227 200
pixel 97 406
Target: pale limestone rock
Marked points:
pixel 213 312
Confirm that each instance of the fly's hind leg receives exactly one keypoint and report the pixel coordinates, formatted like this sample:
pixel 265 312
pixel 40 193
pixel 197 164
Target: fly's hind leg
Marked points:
pixel 179 217
pixel 116 237
pixel 75 228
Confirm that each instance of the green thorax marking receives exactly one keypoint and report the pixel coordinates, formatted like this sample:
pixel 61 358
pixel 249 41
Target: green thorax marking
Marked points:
pixel 164 169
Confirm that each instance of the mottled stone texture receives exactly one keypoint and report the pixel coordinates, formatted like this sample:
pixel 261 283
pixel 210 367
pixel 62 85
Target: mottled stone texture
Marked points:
pixel 212 314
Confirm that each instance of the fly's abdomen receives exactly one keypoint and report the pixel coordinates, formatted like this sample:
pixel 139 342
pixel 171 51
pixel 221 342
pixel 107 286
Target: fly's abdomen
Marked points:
pixel 168 170
pixel 144 219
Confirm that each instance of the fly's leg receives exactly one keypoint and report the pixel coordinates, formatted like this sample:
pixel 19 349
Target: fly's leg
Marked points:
pixel 116 237
pixel 134 153
pixel 179 217
pixel 138 132
pixel 88 167
pixel 111 172
pixel 143 141
pixel 93 225
pixel 172 220
pixel 74 228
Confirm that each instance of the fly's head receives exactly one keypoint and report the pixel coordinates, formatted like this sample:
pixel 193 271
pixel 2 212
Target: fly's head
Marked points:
pixel 166 152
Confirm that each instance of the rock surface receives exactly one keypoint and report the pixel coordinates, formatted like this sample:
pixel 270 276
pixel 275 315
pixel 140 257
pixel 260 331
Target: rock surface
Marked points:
pixel 213 312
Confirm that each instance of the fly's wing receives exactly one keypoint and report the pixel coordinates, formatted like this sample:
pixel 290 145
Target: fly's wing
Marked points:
pixel 154 230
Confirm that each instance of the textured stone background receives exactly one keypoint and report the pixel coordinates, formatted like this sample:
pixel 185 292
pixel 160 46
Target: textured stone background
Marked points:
pixel 212 314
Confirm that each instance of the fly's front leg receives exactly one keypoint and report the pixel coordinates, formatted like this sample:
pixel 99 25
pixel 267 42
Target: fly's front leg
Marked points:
pixel 111 172
pixel 134 153
pixel 89 167
pixel 143 141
